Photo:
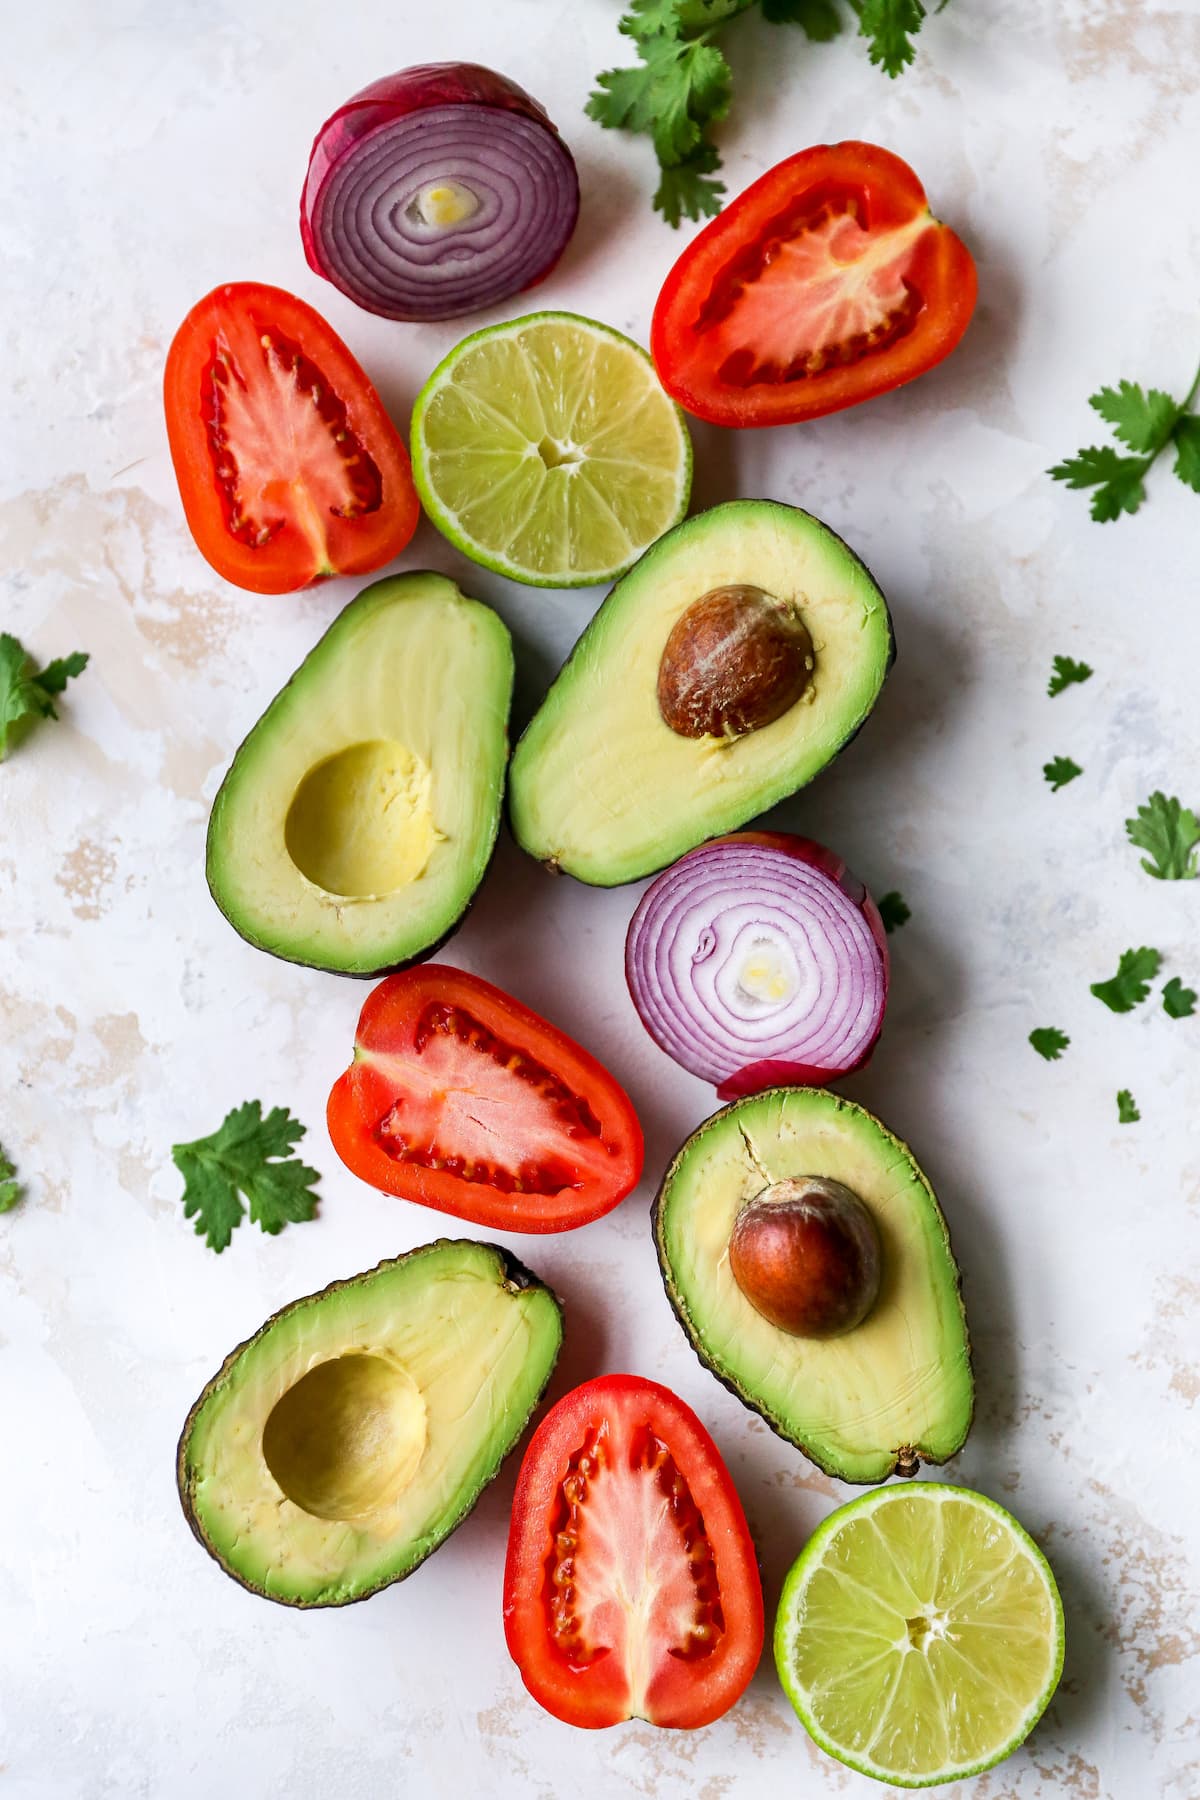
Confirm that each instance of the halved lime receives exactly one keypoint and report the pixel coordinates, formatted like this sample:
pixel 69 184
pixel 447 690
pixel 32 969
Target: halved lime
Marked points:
pixel 547 450
pixel 919 1634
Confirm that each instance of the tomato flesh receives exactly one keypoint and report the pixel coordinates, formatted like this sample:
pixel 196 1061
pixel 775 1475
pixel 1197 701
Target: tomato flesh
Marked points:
pixel 462 1099
pixel 631 1589
pixel 288 466
pixel 827 282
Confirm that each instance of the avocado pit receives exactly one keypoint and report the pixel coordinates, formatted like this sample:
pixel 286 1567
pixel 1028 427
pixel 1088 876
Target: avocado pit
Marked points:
pixel 736 660
pixel 805 1252
pixel 347 1437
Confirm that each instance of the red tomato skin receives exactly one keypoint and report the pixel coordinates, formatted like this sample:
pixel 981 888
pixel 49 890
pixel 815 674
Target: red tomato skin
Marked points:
pixel 891 195
pixel 597 1696
pixel 354 546
pixel 362 1096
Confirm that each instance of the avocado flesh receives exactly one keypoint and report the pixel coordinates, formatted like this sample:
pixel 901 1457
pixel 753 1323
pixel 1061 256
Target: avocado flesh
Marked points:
pixel 358 817
pixel 600 786
pixel 861 1405
pixel 343 1442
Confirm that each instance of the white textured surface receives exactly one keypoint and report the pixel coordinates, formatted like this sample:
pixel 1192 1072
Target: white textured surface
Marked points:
pixel 151 151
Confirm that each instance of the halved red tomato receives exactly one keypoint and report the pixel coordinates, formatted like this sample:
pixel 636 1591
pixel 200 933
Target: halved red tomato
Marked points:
pixel 461 1098
pixel 288 466
pixel 827 282
pixel 631 1589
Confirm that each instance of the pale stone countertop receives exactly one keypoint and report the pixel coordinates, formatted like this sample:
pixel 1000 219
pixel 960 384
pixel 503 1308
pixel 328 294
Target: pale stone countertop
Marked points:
pixel 152 151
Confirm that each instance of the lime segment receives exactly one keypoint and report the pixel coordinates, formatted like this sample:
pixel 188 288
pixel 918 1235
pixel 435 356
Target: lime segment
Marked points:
pixel 547 450
pixel 920 1634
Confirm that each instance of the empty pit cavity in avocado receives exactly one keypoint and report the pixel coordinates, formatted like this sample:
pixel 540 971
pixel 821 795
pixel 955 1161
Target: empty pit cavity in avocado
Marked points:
pixel 361 824
pixel 358 818
pixel 895 1390
pixel 607 788
pixel 380 1408
pixel 348 1437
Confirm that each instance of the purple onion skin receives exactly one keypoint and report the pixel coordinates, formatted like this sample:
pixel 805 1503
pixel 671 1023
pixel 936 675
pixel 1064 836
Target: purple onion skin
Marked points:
pixel 754 1077
pixel 393 97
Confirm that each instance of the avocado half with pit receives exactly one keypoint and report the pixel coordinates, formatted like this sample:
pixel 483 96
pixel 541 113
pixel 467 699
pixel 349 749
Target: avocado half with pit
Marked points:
pixel 723 672
pixel 359 816
pixel 894 1391
pixel 344 1441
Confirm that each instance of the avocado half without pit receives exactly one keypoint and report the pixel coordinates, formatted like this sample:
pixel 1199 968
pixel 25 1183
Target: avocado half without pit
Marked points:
pixel 358 818
pixel 809 1264
pixel 341 1444
pixel 723 672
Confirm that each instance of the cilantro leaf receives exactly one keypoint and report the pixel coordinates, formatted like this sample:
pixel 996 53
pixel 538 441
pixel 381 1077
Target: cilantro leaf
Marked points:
pixel 683 84
pixel 893 911
pixel 818 19
pixel 1179 1002
pixel 1187 447
pixel 1127 1112
pixel 1169 833
pixel 890 25
pixel 250 1156
pixel 1118 480
pixel 1049 1041
pixel 1131 983
pixel 26 692
pixel 1143 421
pixel 1065 672
pixel 1060 771
pixel 10 1187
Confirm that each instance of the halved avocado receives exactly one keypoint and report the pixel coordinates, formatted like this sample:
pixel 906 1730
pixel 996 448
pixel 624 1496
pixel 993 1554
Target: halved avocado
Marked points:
pixel 601 785
pixel 344 1441
pixel 894 1391
pixel 358 818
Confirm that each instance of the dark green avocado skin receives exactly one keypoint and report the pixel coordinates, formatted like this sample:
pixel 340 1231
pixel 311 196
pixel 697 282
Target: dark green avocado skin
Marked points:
pixel 908 1457
pixel 751 813
pixel 516 1276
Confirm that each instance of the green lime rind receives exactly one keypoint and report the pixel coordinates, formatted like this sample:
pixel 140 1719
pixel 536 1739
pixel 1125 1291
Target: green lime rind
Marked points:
pixel 812 1557
pixel 446 520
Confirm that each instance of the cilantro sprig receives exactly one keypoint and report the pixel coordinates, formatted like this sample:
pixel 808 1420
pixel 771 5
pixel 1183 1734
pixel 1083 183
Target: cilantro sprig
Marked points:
pixel 1127 1112
pixel 1060 771
pixel 1168 832
pixel 10 1187
pixel 894 911
pixel 1049 1041
pixel 251 1156
pixel 1131 983
pixel 1179 1002
pixel 1066 673
pixel 1145 421
pixel 27 692
pixel 682 85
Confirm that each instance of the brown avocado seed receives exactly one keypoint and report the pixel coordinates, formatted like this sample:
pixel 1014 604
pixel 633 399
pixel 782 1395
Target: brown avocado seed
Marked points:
pixel 805 1253
pixel 737 659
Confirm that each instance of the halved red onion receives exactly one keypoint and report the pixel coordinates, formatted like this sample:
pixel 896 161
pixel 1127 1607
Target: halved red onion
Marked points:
pixel 437 191
pixel 759 961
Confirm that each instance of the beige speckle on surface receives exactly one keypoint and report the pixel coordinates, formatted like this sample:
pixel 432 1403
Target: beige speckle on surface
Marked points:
pixel 152 152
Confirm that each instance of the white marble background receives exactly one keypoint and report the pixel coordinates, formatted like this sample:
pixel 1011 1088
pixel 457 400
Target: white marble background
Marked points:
pixel 152 150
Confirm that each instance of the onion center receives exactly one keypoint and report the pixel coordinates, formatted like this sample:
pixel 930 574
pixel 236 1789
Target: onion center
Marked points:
pixel 768 975
pixel 441 205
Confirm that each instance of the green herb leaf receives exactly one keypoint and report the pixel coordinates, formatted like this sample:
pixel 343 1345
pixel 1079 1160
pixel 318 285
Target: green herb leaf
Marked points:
pixel 1118 480
pixel 684 192
pixel 1127 1112
pixel 1049 1042
pixel 1060 771
pixel 10 1187
pixel 1131 983
pixel 246 1156
pixel 1169 833
pixel 1065 672
pixel 818 19
pixel 890 26
pixel 26 692
pixel 1179 1002
pixel 1141 420
pixel 893 911
pixel 650 18
pixel 1187 446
